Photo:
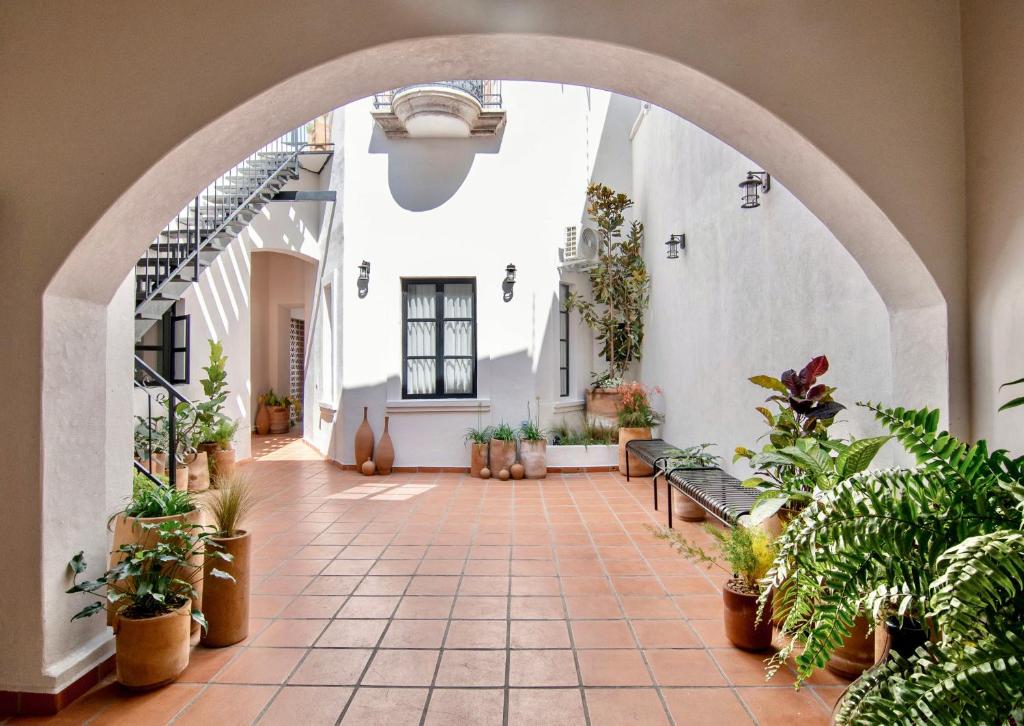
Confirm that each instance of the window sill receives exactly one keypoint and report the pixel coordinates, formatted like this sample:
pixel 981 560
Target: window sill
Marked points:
pixel 565 406
pixel 438 405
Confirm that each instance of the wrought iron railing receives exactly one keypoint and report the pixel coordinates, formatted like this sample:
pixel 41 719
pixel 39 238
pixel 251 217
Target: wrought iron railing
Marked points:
pixel 167 430
pixel 487 93
pixel 218 207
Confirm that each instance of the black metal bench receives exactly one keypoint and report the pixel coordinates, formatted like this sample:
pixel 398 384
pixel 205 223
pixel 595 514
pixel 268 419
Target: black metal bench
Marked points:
pixel 720 494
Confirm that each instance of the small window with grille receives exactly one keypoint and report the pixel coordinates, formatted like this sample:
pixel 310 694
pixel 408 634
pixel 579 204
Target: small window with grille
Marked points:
pixel 571 248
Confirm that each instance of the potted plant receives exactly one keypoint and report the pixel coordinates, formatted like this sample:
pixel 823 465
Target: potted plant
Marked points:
pixel 223 435
pixel 533 447
pixel 939 545
pixel 151 443
pixel 749 552
pixel 636 419
pixel 620 283
pixel 226 601
pixel 478 440
pixel 277 412
pixel 211 411
pixel 691 457
pixel 152 589
pixel 503 450
pixel 603 398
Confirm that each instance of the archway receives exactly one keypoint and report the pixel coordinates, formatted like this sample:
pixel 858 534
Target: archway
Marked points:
pixel 75 307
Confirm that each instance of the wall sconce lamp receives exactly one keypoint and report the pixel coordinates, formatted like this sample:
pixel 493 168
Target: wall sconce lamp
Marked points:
pixel 675 243
pixel 508 282
pixel 755 181
pixel 363 283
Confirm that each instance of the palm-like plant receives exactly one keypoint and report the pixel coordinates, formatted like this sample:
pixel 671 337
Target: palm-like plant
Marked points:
pixel 942 542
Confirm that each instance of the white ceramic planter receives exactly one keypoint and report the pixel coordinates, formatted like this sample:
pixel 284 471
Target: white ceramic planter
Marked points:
pixel 583 456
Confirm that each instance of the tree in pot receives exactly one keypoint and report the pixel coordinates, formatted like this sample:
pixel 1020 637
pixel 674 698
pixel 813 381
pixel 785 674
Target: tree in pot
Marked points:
pixel 226 602
pixel 941 544
pixel 211 411
pixel 478 439
pixel 620 282
pixel 533 447
pixel 152 588
pixel 749 552
pixel 636 419
pixel 502 451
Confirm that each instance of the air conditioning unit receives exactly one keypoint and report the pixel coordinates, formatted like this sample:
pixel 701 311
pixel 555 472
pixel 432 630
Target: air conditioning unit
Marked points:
pixel 579 246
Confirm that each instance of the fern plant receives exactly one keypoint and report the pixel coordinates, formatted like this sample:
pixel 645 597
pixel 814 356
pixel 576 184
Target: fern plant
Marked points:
pixel 942 542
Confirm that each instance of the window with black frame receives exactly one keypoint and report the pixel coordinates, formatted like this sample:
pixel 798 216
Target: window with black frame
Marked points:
pixel 439 338
pixel 165 347
pixel 563 342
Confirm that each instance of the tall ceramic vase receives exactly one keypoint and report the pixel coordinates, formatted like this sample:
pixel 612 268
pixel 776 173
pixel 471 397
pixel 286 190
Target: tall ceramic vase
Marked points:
pixel 263 420
pixel 364 441
pixel 385 456
pixel 226 602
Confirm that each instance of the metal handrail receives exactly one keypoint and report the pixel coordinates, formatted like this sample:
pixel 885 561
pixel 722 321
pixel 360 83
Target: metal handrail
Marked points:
pixel 172 397
pixel 487 93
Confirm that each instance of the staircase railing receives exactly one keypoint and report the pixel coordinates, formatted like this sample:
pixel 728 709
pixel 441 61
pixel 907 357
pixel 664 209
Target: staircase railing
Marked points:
pixel 210 212
pixel 181 418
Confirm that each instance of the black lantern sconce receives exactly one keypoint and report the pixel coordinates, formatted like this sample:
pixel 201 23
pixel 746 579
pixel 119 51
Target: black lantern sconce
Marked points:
pixel 675 243
pixel 756 181
pixel 363 283
pixel 508 282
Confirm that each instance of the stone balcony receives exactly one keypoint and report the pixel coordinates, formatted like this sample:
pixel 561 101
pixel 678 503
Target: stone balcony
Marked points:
pixel 440 110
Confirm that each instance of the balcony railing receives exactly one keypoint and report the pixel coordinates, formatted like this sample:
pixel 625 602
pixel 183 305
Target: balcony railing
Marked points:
pixel 487 93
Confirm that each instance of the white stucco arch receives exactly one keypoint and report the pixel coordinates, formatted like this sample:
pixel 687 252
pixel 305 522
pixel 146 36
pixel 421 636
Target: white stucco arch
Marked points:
pixel 76 318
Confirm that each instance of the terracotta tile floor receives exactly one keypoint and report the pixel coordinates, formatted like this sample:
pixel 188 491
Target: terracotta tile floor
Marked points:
pixel 439 599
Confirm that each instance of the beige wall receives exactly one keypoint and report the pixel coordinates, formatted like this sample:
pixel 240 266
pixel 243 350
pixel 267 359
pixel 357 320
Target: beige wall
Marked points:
pixel 993 36
pixel 108 129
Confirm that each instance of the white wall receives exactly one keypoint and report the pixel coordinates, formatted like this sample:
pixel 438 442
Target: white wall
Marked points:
pixel 755 291
pixel 459 208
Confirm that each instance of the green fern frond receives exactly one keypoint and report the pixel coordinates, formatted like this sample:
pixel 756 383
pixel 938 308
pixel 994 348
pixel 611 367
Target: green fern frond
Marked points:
pixel 940 684
pixel 983 576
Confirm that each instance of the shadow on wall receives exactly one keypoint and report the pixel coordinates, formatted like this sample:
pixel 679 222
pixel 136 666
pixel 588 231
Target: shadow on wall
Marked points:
pixel 423 175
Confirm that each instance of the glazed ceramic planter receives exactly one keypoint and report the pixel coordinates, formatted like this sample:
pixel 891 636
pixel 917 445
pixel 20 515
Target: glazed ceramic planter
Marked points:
pixel 152 651
pixel 279 423
pixel 477 459
pixel 198 472
pixel 534 457
pixel 226 603
pixel 503 456
pixel 741 626
pixel 683 506
pixel 636 466
pixel 856 654
pixel 262 420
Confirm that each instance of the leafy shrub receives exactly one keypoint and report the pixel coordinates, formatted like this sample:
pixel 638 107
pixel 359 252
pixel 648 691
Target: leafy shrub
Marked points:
pixel 636 409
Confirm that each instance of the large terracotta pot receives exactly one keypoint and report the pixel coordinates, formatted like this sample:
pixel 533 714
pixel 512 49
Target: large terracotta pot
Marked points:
pixel 152 651
pixel 263 420
pixel 636 466
pixel 129 530
pixel 534 457
pixel 223 463
pixel 198 472
pixel 279 422
pixel 683 507
pixel 384 453
pixel 477 459
pixel 226 603
pixel 603 404
pixel 364 441
pixel 503 455
pixel 740 617
pixel 856 654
